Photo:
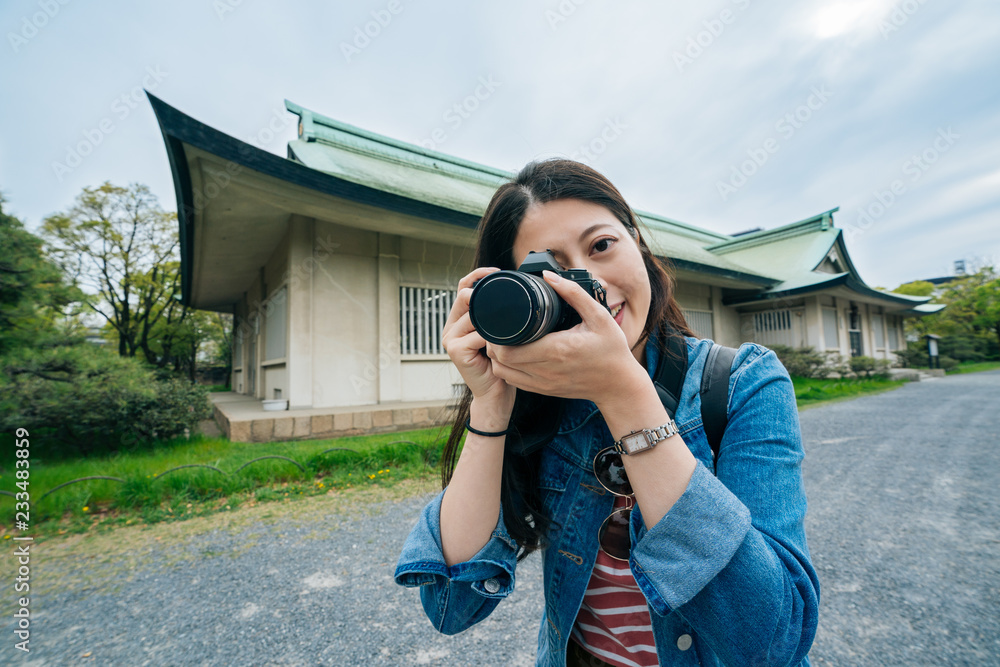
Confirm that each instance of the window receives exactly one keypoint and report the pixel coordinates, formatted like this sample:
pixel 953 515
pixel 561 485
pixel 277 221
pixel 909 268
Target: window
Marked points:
pixel 700 322
pixel 893 333
pixel 831 333
pixel 274 327
pixel 238 334
pixel 773 320
pixel 878 326
pixel 422 314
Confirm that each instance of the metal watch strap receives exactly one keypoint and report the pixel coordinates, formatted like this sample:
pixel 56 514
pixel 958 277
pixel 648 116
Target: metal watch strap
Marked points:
pixel 648 438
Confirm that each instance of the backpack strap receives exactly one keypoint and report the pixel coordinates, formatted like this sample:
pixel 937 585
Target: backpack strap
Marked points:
pixel 715 394
pixel 670 373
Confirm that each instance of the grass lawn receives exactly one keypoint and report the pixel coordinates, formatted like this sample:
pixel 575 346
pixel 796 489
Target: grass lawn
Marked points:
pixel 975 367
pixel 203 476
pixel 215 475
pixel 811 391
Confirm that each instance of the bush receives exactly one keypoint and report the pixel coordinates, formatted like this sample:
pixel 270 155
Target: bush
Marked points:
pixel 802 362
pixel 968 347
pixel 870 367
pixel 78 400
pixel 947 363
pixel 962 348
pixel 914 355
pixel 836 364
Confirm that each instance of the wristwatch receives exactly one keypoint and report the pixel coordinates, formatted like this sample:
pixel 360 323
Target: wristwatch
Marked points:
pixel 643 439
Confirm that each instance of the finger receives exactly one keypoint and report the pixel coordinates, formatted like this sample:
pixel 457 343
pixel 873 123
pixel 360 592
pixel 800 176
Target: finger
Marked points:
pixel 469 279
pixel 512 376
pixel 460 306
pixel 590 310
pixel 464 294
pixel 461 328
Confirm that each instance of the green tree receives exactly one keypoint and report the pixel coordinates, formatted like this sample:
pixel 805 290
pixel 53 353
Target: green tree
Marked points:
pixel 980 302
pixel 120 247
pixel 36 304
pixel 970 321
pixel 916 288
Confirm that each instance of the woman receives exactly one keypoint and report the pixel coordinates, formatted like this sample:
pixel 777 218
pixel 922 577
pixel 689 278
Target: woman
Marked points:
pixel 711 566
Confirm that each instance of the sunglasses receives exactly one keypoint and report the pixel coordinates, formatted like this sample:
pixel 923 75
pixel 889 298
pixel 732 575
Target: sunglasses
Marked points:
pixel 614 534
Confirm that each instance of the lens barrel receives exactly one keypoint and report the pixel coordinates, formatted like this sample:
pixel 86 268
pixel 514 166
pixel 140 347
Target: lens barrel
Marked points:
pixel 514 308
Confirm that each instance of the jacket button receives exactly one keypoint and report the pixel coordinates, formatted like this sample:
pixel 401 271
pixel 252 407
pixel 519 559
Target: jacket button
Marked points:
pixel 491 585
pixel 684 642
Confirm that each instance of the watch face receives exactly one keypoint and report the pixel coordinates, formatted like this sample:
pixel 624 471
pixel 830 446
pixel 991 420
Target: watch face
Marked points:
pixel 635 442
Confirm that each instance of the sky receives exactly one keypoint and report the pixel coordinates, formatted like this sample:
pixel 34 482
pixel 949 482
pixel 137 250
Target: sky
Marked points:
pixel 728 114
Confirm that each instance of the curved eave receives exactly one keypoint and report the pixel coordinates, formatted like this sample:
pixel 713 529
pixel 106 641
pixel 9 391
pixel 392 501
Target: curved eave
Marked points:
pixel 924 309
pixel 856 285
pixel 739 298
pixel 179 130
pixel 917 305
pixel 737 277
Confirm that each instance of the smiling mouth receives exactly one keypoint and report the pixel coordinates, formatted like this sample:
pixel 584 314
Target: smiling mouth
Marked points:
pixel 617 310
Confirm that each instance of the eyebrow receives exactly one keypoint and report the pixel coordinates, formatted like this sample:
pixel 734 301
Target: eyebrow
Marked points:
pixel 590 230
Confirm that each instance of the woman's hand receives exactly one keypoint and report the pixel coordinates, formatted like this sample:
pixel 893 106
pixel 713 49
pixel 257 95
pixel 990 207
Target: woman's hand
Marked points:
pixel 463 344
pixel 591 361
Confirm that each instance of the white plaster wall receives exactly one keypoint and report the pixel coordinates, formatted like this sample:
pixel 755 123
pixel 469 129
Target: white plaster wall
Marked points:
pixel 727 322
pixel 693 295
pixel 345 319
pixel 428 380
pixel 275 377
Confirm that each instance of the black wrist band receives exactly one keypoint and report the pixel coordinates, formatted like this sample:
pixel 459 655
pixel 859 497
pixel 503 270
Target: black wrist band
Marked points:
pixel 485 434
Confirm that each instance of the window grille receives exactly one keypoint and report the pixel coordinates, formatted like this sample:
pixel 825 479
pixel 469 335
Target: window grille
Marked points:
pixel 422 314
pixel 700 322
pixel 773 320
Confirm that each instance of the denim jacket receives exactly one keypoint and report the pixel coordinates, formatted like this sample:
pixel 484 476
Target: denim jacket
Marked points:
pixel 726 572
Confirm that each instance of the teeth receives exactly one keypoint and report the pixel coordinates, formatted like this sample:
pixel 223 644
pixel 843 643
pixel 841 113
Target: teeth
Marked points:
pixel 617 309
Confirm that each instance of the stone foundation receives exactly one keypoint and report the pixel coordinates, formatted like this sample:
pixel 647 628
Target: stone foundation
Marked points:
pixel 241 419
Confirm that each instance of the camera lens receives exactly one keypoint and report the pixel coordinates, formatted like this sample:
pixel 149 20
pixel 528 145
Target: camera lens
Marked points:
pixel 513 308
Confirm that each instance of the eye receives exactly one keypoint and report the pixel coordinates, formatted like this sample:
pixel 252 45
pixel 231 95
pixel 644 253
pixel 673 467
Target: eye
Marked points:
pixel 604 244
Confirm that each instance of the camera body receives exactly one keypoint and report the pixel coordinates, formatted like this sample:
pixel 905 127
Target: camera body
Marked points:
pixel 519 307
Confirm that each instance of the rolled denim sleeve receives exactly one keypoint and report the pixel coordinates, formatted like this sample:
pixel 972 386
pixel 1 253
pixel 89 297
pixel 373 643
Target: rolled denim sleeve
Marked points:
pixel 730 556
pixel 458 596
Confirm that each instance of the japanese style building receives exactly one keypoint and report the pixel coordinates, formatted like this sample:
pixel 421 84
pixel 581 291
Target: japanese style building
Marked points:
pixel 339 264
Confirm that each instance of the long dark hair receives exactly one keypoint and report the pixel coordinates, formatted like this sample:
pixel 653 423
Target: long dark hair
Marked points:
pixel 538 183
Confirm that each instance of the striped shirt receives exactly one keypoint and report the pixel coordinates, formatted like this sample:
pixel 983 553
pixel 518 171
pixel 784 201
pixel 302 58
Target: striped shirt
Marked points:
pixel 613 622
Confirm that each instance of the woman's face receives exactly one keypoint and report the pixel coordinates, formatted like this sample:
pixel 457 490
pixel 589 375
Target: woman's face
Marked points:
pixel 583 235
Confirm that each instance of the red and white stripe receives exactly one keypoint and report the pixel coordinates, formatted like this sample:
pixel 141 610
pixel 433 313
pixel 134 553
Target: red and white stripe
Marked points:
pixel 613 622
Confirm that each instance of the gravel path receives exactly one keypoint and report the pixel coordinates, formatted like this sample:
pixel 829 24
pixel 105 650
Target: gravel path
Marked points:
pixel 903 525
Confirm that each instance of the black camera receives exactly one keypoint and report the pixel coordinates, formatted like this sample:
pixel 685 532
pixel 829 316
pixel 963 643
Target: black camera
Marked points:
pixel 519 307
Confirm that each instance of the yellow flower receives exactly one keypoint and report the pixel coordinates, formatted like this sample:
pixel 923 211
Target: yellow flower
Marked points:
pixel 86 508
pixel 371 476
pixel 6 537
